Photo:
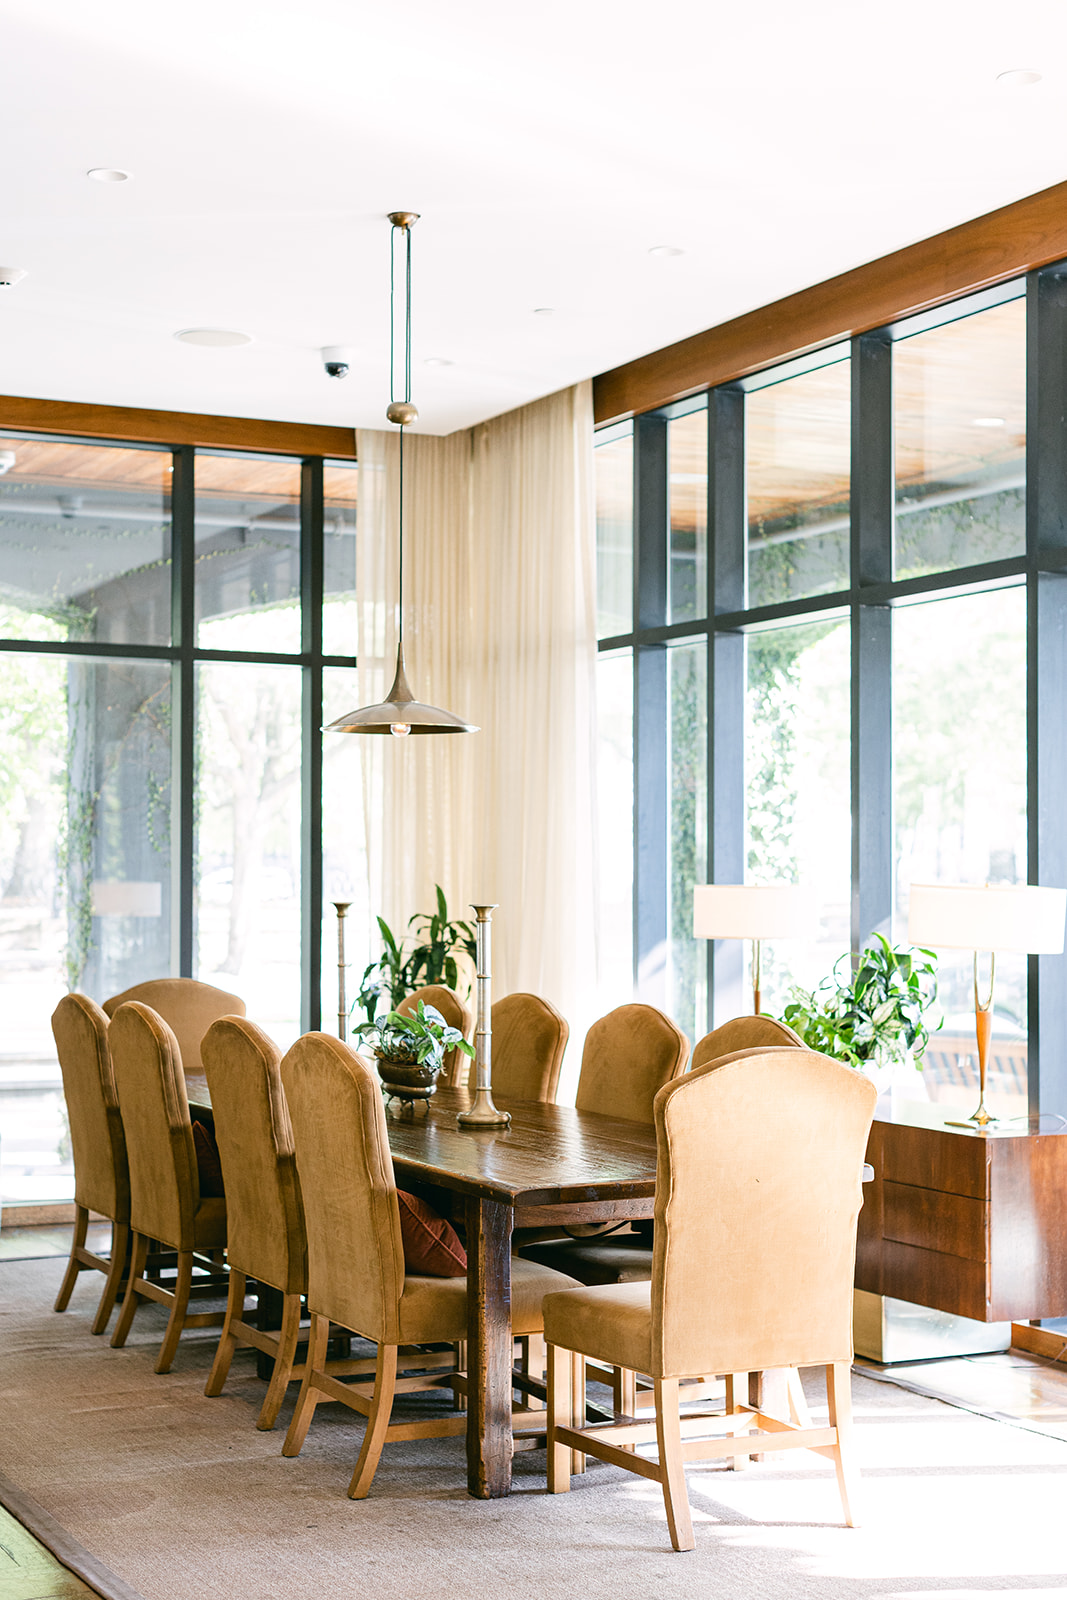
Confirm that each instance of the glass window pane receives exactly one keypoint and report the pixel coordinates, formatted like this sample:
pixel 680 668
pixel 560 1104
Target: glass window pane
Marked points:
pixel 615 799
pixel 798 807
pixel 248 839
pixel 959 410
pixel 339 619
pixel 85 751
pixel 85 542
pixel 247 553
pixel 959 802
pixel 687 962
pixel 687 444
pixel 797 449
pixel 344 847
pixel 615 536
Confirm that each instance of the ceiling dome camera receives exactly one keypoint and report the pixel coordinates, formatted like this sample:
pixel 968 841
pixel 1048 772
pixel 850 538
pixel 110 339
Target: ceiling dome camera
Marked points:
pixel 335 360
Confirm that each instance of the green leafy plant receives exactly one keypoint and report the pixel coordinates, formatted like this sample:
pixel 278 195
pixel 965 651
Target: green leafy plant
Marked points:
pixel 869 1017
pixel 432 958
pixel 422 1037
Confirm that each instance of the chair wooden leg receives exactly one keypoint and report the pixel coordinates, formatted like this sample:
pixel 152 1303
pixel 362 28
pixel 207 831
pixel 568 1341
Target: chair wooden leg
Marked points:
pixel 74 1266
pixel 377 1422
pixel 120 1249
pixel 839 1395
pixel 624 1396
pixel 309 1396
pixel 736 1400
pixel 459 1401
pixel 235 1305
pixel 577 1405
pixel 798 1405
pixel 534 1366
pixel 672 1465
pixel 281 1377
pixel 138 1257
pixel 182 1285
pixel 559 1416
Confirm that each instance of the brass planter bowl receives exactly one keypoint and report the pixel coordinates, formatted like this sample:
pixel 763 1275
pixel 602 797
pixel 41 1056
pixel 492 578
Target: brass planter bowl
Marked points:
pixel 407 1079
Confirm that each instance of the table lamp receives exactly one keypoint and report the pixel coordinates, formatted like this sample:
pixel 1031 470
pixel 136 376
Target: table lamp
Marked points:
pixel 756 912
pixel 993 917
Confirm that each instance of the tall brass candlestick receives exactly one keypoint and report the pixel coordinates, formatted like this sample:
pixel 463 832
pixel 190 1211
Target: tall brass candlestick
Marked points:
pixel 483 1113
pixel 341 907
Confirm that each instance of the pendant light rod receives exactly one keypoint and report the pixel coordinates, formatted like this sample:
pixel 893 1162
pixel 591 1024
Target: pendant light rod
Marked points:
pixel 400 714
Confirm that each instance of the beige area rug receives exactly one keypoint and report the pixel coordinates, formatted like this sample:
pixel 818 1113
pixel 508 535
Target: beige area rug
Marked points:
pixel 183 1498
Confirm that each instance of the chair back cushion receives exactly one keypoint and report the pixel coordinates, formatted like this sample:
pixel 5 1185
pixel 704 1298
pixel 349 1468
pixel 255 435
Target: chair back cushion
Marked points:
pixel 758 1188
pixel 529 1038
pixel 355 1254
pixel 164 1186
pixel 101 1169
pixel 629 1055
pixel 265 1217
pixel 744 1033
pixel 456 1014
pixel 187 1007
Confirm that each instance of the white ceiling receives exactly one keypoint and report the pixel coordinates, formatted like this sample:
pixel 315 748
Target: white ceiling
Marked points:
pixel 547 146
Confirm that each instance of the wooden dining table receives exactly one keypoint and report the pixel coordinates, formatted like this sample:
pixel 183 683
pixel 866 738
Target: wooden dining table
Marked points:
pixel 552 1165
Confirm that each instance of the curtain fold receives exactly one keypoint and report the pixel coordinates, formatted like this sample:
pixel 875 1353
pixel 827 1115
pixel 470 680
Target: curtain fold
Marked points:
pixel 499 627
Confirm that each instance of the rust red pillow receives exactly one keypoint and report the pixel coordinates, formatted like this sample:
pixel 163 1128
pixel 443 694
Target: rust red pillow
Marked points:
pixel 431 1243
pixel 208 1163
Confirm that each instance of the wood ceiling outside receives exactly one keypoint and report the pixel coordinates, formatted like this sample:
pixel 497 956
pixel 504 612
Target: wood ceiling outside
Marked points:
pixel 797 432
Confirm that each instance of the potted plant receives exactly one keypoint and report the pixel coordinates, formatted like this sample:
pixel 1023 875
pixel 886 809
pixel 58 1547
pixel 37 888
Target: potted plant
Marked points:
pixel 411 1049
pixel 432 958
pixel 873 1018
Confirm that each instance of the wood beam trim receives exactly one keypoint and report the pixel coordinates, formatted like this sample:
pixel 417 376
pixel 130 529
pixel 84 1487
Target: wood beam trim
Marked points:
pixel 176 427
pixel 990 249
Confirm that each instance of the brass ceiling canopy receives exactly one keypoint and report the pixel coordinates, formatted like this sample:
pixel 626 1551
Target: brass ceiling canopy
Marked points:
pixel 400 714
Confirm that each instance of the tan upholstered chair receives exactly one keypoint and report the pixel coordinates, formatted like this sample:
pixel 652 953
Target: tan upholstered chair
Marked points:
pixel 744 1033
pixel 529 1038
pixel 356 1274
pixel 165 1201
pixel 101 1171
pixel 265 1218
pixel 628 1056
pixel 455 1013
pixel 186 1006
pixel 758 1188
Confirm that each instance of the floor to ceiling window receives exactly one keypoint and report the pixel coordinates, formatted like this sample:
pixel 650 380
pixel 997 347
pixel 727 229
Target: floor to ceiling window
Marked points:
pixel 161 683
pixel 843 610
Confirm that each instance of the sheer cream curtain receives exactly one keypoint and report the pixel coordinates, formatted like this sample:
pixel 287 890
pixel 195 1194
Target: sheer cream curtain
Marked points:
pixel 500 627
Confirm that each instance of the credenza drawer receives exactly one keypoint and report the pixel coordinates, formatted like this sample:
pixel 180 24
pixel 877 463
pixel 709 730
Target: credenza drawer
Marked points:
pixel 951 1224
pixel 948 1283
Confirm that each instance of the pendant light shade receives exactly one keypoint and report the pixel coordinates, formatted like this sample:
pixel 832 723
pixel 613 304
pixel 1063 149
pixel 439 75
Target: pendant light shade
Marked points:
pixel 400 714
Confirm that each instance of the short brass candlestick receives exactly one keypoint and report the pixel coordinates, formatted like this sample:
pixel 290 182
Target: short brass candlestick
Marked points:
pixel 483 1113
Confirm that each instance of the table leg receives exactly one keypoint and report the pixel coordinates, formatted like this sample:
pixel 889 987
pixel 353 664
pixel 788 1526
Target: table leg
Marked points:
pixel 489 1348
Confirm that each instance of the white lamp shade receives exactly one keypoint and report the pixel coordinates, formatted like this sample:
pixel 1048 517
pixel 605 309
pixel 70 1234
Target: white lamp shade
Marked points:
pixel 751 911
pixel 968 916
pixel 111 898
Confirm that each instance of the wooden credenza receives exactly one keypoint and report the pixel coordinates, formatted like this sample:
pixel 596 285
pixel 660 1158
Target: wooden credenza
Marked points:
pixel 968 1223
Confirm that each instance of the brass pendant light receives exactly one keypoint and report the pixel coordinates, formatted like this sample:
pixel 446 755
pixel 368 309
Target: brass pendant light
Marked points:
pixel 400 713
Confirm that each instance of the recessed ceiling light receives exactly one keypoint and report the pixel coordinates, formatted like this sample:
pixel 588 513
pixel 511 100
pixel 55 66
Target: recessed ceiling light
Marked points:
pixel 437 361
pixel 214 338
pixel 1018 78
pixel 666 250
pixel 107 175
pixel 9 276
pixel 544 311
pixel 987 422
